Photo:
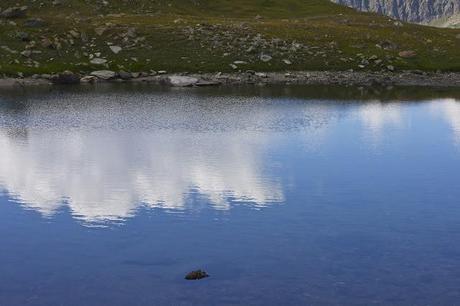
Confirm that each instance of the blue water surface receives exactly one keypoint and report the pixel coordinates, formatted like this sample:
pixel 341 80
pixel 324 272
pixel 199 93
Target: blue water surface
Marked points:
pixel 285 196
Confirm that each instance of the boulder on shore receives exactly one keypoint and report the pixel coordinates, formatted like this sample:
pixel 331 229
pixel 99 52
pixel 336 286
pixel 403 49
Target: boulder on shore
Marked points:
pixel 104 74
pixel 66 77
pixel 181 81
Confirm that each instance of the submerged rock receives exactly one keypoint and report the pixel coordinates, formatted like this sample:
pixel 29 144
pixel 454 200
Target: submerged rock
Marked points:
pixel 196 275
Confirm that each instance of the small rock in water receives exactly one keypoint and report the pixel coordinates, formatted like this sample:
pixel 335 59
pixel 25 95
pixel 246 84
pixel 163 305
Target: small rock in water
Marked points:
pixel 287 62
pixel 196 275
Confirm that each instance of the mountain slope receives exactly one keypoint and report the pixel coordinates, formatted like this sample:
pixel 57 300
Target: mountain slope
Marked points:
pixel 419 11
pixel 211 36
pixel 450 22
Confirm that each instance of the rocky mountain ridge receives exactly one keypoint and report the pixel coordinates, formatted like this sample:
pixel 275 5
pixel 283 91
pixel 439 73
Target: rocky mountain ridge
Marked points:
pixel 418 11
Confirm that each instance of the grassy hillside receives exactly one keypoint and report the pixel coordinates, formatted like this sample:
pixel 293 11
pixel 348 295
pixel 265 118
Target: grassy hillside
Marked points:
pixel 211 35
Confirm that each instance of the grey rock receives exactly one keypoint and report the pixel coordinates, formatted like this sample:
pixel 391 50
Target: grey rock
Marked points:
pixel 265 58
pixel 14 12
pixel 24 36
pixel 104 74
pixel 66 77
pixel 88 79
pixel 181 81
pixel 115 49
pixel 26 53
pixel 98 61
pixel 125 75
pixel 261 75
pixel 34 23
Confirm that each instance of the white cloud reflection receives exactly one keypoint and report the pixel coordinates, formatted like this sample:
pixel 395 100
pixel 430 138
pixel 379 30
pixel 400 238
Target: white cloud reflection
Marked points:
pixel 449 109
pixel 377 117
pixel 106 176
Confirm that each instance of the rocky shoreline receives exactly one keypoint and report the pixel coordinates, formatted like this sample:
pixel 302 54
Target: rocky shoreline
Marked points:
pixel 344 78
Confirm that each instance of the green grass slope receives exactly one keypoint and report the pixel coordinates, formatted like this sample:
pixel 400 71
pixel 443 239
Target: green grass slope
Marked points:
pixel 211 35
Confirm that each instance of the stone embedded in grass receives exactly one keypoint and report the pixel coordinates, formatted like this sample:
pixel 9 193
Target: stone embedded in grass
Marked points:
pixel 196 275
pixel 115 49
pixel 14 12
pixel 407 54
pixel 24 36
pixel 34 23
pixel 99 31
pixel 265 58
pixel 98 61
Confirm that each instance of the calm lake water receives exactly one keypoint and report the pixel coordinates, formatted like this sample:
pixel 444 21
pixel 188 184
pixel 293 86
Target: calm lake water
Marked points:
pixel 285 196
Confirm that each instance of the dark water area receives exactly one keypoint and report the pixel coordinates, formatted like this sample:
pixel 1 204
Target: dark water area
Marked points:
pixel 284 195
